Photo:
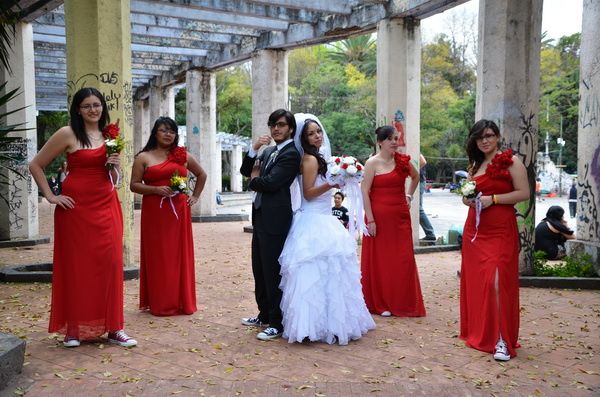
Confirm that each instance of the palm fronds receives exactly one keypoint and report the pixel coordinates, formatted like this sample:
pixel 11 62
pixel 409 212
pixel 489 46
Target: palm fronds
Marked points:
pixel 8 19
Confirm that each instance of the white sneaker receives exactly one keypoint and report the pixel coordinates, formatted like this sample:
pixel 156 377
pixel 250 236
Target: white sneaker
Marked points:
pixel 71 342
pixel 386 314
pixel 269 333
pixel 501 353
pixel 121 338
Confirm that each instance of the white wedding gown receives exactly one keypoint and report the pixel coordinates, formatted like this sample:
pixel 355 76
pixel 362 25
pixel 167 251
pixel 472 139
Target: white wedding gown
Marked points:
pixel 320 277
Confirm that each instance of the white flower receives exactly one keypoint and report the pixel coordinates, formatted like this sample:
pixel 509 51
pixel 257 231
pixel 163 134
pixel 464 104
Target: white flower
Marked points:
pixel 348 160
pixel 334 170
pixel 468 188
pixel 111 142
pixel 182 186
pixel 351 170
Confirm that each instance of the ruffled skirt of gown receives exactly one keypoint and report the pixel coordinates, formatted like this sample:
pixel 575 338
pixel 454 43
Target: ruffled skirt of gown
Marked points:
pixel 320 279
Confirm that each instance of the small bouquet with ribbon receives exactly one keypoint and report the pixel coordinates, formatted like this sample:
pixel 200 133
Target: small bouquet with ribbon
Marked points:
pixel 178 184
pixel 114 144
pixel 347 172
pixel 468 190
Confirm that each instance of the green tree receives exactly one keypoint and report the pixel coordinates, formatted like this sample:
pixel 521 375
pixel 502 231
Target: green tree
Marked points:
pixel 360 51
pixel 234 100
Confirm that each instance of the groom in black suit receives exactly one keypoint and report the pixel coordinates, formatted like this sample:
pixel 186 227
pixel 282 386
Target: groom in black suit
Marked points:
pixel 271 175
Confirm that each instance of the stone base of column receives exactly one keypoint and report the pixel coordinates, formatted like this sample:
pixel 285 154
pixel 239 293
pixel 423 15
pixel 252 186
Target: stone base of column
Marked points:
pixel 42 272
pixel 24 242
pixel 220 218
pixel 575 247
pixel 12 355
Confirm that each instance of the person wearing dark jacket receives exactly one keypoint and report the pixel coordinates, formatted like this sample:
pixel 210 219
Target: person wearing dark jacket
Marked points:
pixel 552 232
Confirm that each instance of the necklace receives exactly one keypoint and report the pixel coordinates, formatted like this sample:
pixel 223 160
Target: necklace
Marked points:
pixel 95 139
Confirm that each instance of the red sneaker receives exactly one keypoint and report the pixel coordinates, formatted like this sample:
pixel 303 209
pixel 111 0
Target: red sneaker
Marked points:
pixel 121 338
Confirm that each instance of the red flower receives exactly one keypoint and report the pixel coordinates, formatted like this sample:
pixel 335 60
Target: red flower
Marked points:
pixel 402 163
pixel 338 160
pixel 178 154
pixel 498 167
pixel 344 166
pixel 111 131
pixel 358 167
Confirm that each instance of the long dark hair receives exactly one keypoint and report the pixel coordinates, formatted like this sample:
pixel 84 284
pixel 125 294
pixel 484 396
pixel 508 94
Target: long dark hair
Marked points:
pixel 76 122
pixel 311 149
pixel 384 132
pixel 475 155
pixel 152 142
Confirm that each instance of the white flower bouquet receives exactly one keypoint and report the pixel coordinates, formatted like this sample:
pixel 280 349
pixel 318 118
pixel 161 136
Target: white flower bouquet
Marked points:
pixel 467 189
pixel 342 169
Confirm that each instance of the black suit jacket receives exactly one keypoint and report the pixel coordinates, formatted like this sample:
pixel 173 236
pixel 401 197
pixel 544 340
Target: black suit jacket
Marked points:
pixel 274 185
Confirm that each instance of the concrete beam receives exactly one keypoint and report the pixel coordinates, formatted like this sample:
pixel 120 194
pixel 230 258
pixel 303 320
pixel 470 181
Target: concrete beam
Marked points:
pixel 420 8
pixel 33 9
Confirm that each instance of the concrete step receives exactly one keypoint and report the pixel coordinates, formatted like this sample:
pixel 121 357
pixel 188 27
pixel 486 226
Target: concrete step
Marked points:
pixel 236 199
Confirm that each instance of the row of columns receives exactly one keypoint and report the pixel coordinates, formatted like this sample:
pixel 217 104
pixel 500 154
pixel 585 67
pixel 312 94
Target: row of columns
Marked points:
pixel 507 91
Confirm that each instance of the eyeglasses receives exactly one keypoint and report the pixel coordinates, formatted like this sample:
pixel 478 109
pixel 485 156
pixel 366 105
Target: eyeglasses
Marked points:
pixel 488 137
pixel 167 131
pixel 280 124
pixel 89 107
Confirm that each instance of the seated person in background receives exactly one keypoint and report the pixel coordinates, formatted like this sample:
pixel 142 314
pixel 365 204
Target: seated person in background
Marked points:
pixel 552 232
pixel 340 211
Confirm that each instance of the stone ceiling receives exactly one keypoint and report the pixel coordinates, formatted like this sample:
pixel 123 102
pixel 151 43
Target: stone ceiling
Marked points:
pixel 169 37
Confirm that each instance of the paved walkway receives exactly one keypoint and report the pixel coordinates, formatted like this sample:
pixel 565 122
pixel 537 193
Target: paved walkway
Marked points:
pixel 211 354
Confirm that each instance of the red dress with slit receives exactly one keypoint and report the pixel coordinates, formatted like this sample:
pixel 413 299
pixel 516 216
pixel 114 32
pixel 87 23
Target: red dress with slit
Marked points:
pixel 167 279
pixel 495 249
pixel 390 279
pixel 87 276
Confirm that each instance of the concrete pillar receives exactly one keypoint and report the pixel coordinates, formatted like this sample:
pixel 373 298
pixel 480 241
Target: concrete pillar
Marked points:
pixel 168 102
pixel 155 101
pixel 99 44
pixel 269 87
pixel 19 213
pixel 219 166
pixel 508 80
pixel 588 135
pixel 140 135
pixel 234 169
pixel 148 122
pixel 399 89
pixel 201 125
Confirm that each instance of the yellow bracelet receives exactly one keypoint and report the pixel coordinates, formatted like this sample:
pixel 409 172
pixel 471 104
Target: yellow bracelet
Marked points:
pixel 494 199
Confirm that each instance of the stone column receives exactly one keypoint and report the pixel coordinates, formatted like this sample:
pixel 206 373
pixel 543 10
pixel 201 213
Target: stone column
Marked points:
pixel 508 80
pixel 155 100
pixel 269 87
pixel 219 166
pixel 235 164
pixel 399 89
pixel 201 125
pixel 140 135
pixel 588 136
pixel 148 121
pixel 99 48
pixel 168 102
pixel 19 213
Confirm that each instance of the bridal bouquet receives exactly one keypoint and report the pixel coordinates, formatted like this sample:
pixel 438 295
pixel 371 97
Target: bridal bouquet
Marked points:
pixel 178 183
pixel 344 169
pixel 347 172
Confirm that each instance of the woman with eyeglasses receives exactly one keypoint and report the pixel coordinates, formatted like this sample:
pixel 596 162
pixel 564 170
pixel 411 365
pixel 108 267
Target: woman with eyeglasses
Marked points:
pixel 87 277
pixel 167 275
pixel 489 283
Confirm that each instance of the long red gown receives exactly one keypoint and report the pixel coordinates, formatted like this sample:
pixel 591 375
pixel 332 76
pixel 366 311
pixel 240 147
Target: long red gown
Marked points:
pixel 87 277
pixel 390 279
pixel 496 247
pixel 167 278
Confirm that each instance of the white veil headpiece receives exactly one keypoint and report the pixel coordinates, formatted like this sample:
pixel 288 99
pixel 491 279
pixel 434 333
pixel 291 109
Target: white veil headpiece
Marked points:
pixel 324 150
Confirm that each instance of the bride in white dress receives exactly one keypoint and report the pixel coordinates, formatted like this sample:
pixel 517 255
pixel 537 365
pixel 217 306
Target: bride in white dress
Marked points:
pixel 320 275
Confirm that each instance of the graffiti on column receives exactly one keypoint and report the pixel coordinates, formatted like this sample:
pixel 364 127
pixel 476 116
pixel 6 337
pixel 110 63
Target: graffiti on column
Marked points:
pixel 588 212
pixel 398 125
pixel 87 80
pixel 16 191
pixel 526 149
pixel 113 99
pixel 128 102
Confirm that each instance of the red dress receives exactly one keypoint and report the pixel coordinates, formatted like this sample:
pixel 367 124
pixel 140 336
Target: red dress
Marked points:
pixel 167 278
pixel 495 248
pixel 390 279
pixel 87 277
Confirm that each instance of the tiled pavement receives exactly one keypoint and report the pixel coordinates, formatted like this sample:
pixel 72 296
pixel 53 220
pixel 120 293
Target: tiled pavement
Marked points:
pixel 211 354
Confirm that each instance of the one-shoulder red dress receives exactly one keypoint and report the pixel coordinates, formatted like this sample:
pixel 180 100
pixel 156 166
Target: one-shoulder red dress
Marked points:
pixel 485 313
pixel 390 279
pixel 87 276
pixel 167 278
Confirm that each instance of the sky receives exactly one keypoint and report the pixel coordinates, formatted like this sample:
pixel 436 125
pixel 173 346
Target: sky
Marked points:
pixel 560 18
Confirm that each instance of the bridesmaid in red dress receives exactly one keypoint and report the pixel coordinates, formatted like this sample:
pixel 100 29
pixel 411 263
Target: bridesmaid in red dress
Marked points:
pixel 167 275
pixel 389 272
pixel 87 278
pixel 489 283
